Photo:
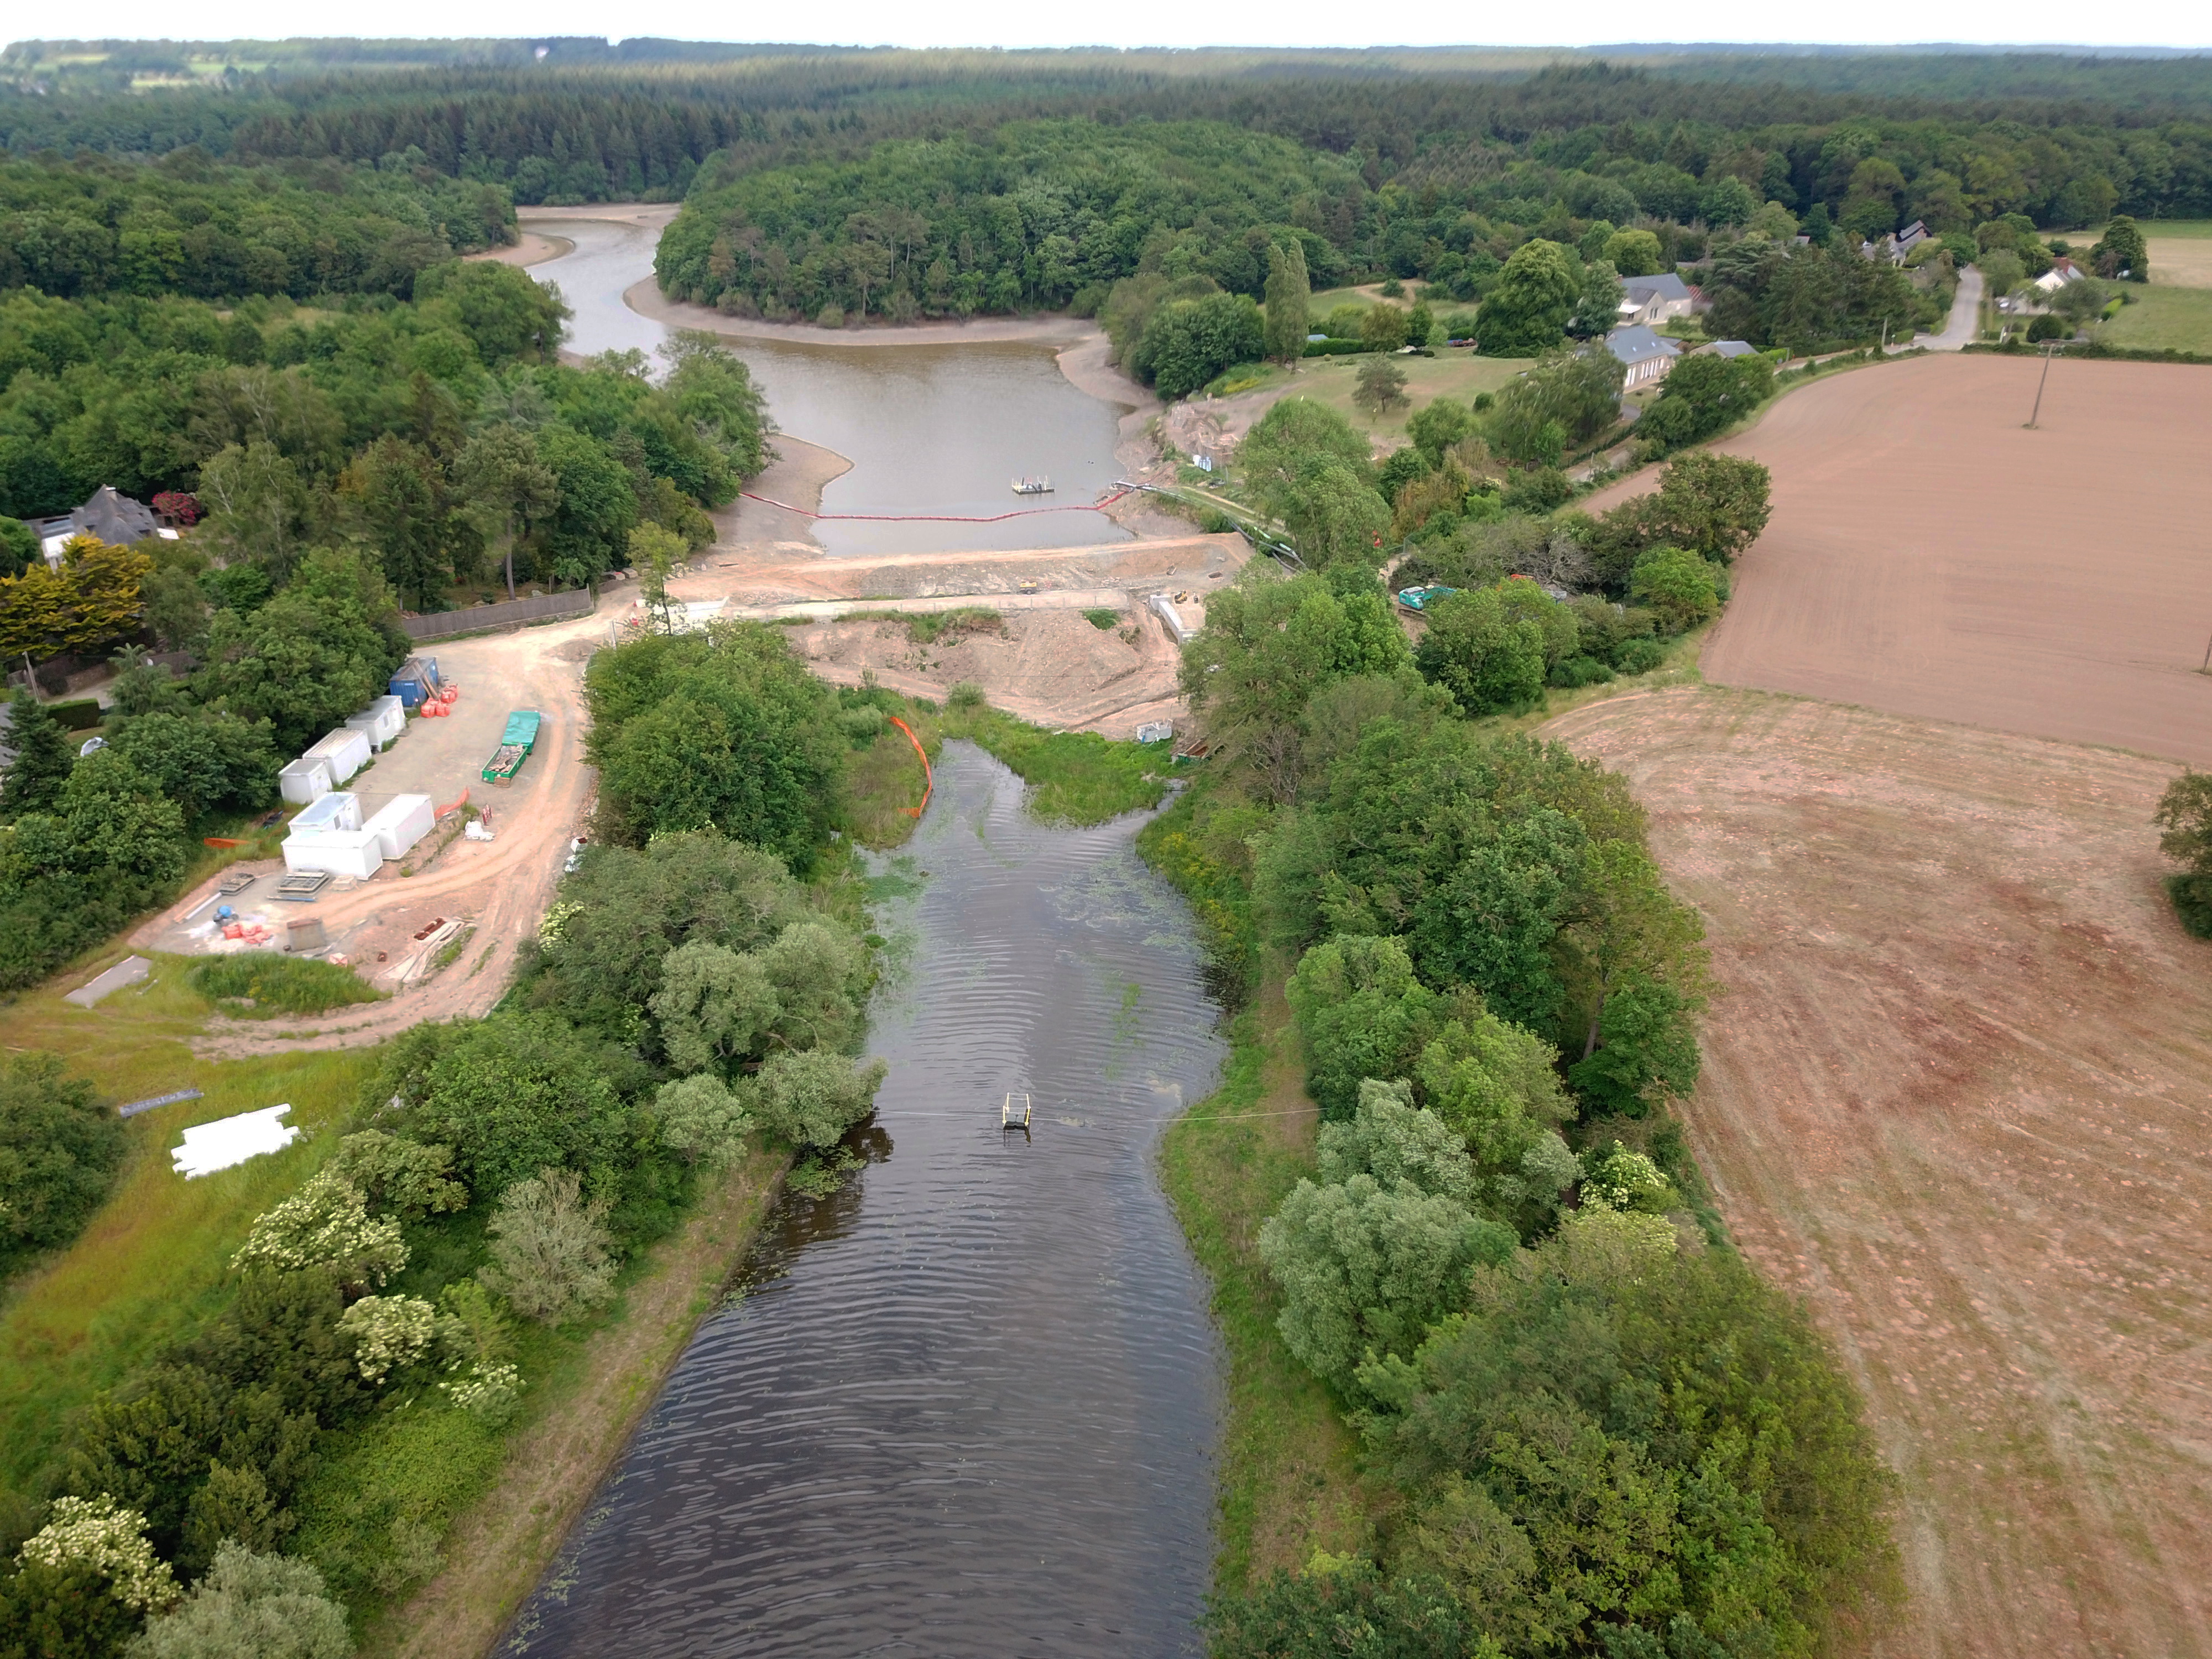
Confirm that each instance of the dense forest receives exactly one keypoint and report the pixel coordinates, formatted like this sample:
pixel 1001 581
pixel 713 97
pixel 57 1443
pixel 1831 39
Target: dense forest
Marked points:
pixel 183 226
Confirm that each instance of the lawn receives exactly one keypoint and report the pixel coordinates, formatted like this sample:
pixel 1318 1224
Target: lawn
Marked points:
pixel 2161 317
pixel 1449 374
pixel 154 1260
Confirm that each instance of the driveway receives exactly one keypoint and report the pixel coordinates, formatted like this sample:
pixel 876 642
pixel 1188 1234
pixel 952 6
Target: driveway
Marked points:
pixel 1964 322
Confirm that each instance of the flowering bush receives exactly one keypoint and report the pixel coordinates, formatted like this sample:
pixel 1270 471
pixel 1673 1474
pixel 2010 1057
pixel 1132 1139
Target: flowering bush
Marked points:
pixel 557 916
pixel 101 1534
pixel 486 1389
pixel 1622 1180
pixel 176 504
pixel 326 1221
pixel 389 1331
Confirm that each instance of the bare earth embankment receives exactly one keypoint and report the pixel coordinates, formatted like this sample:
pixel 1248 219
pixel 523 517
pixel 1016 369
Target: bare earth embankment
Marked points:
pixel 1928 555
pixel 1957 1092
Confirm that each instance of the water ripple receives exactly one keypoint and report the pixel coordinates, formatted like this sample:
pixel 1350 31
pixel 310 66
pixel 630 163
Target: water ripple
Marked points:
pixel 969 1404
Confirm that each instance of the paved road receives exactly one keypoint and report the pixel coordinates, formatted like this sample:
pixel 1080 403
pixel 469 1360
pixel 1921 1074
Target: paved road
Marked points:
pixel 1966 317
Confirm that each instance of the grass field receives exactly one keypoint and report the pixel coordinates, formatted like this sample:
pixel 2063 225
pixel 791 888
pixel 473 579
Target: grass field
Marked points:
pixel 1330 380
pixel 154 1262
pixel 2162 317
pixel 1954 1094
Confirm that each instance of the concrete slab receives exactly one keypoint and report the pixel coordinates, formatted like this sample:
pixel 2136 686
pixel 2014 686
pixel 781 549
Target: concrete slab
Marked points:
pixel 129 971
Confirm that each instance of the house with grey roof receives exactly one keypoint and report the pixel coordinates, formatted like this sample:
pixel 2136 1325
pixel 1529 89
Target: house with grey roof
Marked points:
pixel 1647 299
pixel 1647 356
pixel 109 514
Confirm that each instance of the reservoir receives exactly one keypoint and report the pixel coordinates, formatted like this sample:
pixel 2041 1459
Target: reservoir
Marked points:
pixel 930 430
pixel 966 1405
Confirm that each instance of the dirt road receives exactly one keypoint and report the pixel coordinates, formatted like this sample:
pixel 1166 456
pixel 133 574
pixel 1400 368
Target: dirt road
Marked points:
pixel 1956 1093
pixel 1928 555
pixel 500 888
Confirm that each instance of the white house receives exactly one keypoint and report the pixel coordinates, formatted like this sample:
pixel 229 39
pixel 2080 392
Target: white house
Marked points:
pixel 1647 299
pixel 1727 349
pixel 1648 356
pixel 2062 271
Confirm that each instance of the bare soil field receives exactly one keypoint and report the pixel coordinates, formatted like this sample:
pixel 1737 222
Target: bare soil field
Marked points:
pixel 1958 1092
pixel 1928 555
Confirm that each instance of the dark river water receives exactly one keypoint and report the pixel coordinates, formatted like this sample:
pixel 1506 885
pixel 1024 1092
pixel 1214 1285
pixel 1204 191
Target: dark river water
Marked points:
pixel 929 428
pixel 966 1406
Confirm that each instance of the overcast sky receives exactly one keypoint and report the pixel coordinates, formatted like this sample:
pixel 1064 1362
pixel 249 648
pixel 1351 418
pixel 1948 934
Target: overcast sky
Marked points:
pixel 1146 22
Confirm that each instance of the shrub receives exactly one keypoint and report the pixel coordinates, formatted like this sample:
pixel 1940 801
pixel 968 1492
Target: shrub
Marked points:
pixel 391 1333
pixel 100 1534
pixel 402 1176
pixel 250 1606
pixel 812 1099
pixel 966 695
pixel 59 1148
pixel 550 1254
pixel 1680 588
pixel 1365 1270
pixel 1640 656
pixel 1489 659
pixel 1572 672
pixel 278 984
pixel 702 1119
pixel 1101 618
pixel 325 1224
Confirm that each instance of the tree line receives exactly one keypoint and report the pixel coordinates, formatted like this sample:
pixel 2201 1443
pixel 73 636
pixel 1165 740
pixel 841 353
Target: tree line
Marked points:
pixel 695 994
pixel 1596 1429
pixel 185 226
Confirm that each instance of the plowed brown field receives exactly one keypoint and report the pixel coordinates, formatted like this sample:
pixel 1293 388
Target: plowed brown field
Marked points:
pixel 1957 1092
pixel 1928 555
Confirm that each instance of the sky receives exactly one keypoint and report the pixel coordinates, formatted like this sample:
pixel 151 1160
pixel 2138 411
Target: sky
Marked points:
pixel 1147 22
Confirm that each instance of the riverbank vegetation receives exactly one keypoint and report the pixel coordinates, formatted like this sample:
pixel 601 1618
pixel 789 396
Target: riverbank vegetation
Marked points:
pixel 356 1359
pixel 1496 1237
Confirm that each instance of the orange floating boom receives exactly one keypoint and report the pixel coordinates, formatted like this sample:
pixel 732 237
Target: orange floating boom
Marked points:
pixel 928 777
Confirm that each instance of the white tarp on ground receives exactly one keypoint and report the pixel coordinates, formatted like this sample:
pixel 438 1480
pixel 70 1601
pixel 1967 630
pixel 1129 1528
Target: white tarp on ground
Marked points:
pixel 229 1140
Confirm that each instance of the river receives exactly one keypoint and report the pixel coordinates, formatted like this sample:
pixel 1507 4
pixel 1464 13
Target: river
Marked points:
pixel 928 429
pixel 966 1406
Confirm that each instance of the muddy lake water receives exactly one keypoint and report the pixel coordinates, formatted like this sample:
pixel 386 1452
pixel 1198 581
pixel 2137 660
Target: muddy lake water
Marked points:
pixel 930 430
pixel 966 1405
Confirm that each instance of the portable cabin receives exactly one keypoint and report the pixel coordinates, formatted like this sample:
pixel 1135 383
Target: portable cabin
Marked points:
pixel 346 749
pixel 384 720
pixel 304 781
pixel 328 838
pixel 400 823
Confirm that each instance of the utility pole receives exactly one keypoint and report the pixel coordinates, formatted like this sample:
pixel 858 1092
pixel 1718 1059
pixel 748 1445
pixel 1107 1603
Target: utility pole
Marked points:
pixel 2039 384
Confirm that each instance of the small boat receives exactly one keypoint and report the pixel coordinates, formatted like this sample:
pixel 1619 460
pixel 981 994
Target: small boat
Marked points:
pixel 1032 486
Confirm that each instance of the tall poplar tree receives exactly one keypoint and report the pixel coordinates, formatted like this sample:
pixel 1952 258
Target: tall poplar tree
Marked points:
pixel 1289 294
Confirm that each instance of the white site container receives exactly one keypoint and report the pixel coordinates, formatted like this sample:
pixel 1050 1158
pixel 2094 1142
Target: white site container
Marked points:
pixel 400 823
pixel 1162 607
pixel 385 719
pixel 329 837
pixel 347 751
pixel 303 781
